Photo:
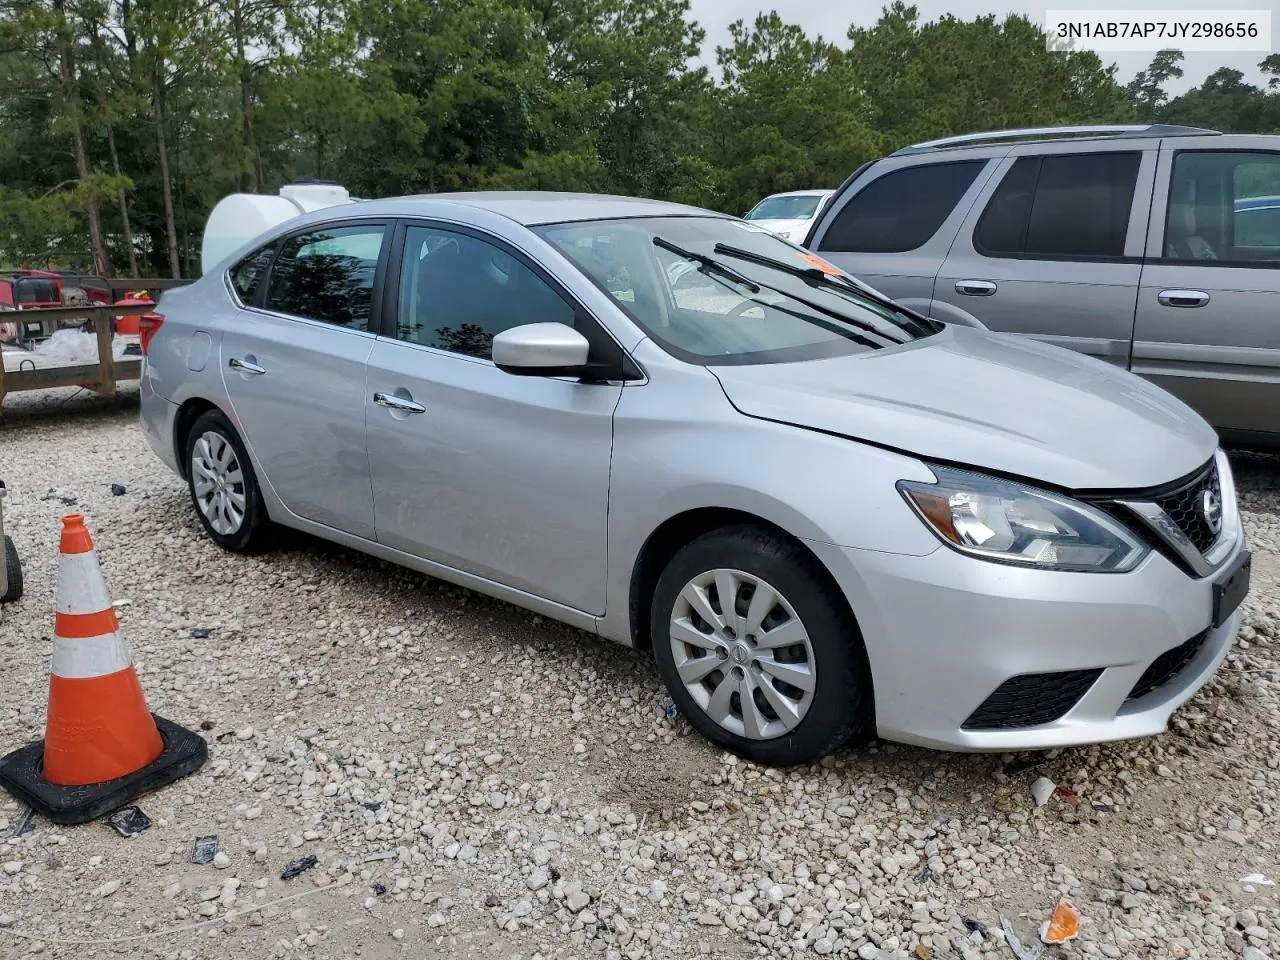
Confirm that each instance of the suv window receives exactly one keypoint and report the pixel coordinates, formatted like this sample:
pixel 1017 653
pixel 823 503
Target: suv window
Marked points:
pixel 901 210
pixel 327 274
pixel 1224 206
pixel 247 275
pixel 458 292
pixel 1069 205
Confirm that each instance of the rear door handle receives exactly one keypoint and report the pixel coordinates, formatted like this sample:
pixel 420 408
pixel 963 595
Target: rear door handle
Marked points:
pixel 246 366
pixel 392 402
pixel 975 288
pixel 1183 298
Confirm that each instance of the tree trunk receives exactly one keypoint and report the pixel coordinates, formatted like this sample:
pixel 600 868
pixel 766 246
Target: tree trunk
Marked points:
pixel 124 204
pixel 248 176
pixel 67 72
pixel 170 228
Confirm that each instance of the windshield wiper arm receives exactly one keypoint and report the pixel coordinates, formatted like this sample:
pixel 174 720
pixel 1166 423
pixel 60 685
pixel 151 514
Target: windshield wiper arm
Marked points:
pixel 813 273
pixel 707 263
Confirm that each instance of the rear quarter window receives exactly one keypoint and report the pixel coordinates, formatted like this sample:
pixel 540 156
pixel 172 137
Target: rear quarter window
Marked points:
pixel 247 275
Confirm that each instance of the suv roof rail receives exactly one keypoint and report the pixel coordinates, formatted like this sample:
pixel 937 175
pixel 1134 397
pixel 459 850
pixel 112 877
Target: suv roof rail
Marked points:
pixel 1108 130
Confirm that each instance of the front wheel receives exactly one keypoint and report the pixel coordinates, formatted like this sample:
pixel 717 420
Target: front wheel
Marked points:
pixel 758 649
pixel 223 486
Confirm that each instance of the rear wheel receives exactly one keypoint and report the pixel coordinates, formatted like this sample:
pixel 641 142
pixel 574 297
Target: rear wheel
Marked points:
pixel 12 571
pixel 758 649
pixel 223 486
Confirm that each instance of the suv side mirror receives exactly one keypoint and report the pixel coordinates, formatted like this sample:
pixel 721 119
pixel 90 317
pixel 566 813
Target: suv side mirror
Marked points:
pixel 541 350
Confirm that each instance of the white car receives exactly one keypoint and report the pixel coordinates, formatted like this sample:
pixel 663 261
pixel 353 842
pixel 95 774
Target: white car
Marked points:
pixel 789 215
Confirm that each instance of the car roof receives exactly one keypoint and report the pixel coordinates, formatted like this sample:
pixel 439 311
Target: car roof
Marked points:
pixel 533 208
pixel 800 193
pixel 1094 132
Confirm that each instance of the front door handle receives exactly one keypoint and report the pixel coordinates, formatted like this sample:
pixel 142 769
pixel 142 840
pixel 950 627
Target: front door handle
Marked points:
pixel 1183 298
pixel 246 366
pixel 403 405
pixel 975 288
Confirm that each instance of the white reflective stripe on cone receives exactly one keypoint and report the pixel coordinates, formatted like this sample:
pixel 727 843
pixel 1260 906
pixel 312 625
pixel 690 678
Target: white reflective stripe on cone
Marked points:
pixel 81 588
pixel 89 656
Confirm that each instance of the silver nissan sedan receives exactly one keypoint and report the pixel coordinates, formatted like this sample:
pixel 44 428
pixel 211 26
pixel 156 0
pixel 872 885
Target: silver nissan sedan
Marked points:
pixel 827 516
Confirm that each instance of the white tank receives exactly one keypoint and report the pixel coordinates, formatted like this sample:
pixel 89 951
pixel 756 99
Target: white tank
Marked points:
pixel 240 217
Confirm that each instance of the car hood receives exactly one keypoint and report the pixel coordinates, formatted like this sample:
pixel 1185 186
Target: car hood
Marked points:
pixel 998 402
pixel 777 226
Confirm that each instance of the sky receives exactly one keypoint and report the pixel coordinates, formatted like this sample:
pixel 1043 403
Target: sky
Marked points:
pixel 832 19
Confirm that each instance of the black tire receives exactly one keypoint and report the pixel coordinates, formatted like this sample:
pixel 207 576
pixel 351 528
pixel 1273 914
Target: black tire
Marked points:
pixel 842 709
pixel 13 572
pixel 253 533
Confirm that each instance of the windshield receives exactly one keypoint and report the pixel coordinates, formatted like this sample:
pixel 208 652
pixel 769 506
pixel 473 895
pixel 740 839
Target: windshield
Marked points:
pixel 784 208
pixel 710 306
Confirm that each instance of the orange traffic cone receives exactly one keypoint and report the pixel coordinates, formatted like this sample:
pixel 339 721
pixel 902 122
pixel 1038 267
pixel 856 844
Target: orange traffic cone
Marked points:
pixel 102 746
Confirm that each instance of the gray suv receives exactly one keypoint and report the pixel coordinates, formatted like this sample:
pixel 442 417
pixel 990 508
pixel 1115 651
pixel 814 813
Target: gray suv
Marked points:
pixel 1154 247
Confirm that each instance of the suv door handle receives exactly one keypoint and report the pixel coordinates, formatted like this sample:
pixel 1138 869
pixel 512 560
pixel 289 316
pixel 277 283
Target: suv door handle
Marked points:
pixel 1183 298
pixel 975 288
pixel 246 366
pixel 392 402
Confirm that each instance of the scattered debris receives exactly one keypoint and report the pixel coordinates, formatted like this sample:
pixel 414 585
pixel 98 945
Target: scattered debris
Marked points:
pixel 23 826
pixel 121 603
pixel 1032 952
pixel 384 855
pixel 493 900
pixel 65 501
pixel 207 725
pixel 128 821
pixel 201 633
pixel 1042 790
pixel 1067 794
pixel 205 849
pixel 1258 878
pixel 373 807
pixel 975 926
pixel 1062 925
pixel 669 710
pixel 379 889
pixel 295 867
pixel 1018 766
pixel 924 876
pixel 923 952
pixel 118 490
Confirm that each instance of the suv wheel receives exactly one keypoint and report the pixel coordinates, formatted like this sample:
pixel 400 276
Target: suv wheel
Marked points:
pixel 758 648
pixel 223 487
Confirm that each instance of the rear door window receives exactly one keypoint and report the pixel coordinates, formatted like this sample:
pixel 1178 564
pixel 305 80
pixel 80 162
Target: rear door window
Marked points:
pixel 1224 206
pixel 327 274
pixel 901 210
pixel 1072 205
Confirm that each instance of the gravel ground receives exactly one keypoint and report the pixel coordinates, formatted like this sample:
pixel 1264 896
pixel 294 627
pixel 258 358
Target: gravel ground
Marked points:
pixel 475 781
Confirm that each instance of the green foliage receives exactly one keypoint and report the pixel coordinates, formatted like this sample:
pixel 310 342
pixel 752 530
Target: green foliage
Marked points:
pixel 402 96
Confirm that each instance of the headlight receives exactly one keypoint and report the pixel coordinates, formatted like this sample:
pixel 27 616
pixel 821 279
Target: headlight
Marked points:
pixel 1010 523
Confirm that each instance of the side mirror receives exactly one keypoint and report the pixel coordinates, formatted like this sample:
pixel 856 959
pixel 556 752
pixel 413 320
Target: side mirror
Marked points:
pixel 541 350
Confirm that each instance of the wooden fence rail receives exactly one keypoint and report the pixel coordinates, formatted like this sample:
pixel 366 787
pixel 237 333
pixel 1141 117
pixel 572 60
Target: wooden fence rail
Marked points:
pixel 100 376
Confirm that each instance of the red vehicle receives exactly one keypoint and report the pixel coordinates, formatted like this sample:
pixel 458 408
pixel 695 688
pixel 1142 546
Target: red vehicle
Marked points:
pixel 26 290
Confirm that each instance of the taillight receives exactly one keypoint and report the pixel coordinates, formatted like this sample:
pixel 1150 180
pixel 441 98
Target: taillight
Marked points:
pixel 148 324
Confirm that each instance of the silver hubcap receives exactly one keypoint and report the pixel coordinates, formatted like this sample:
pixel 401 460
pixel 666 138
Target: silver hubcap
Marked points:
pixel 743 654
pixel 218 482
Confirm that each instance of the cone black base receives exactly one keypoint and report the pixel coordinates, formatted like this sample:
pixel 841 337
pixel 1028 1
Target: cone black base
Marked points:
pixel 184 753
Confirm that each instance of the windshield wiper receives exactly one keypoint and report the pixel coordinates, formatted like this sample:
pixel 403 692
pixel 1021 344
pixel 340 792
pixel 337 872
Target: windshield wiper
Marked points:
pixel 707 263
pixel 813 273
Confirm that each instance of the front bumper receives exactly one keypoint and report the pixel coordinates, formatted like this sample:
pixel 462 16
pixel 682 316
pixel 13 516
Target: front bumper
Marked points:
pixel 943 633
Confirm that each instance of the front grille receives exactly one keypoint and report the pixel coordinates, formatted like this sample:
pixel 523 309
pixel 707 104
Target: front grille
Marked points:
pixel 1031 699
pixel 1167 666
pixel 1184 507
